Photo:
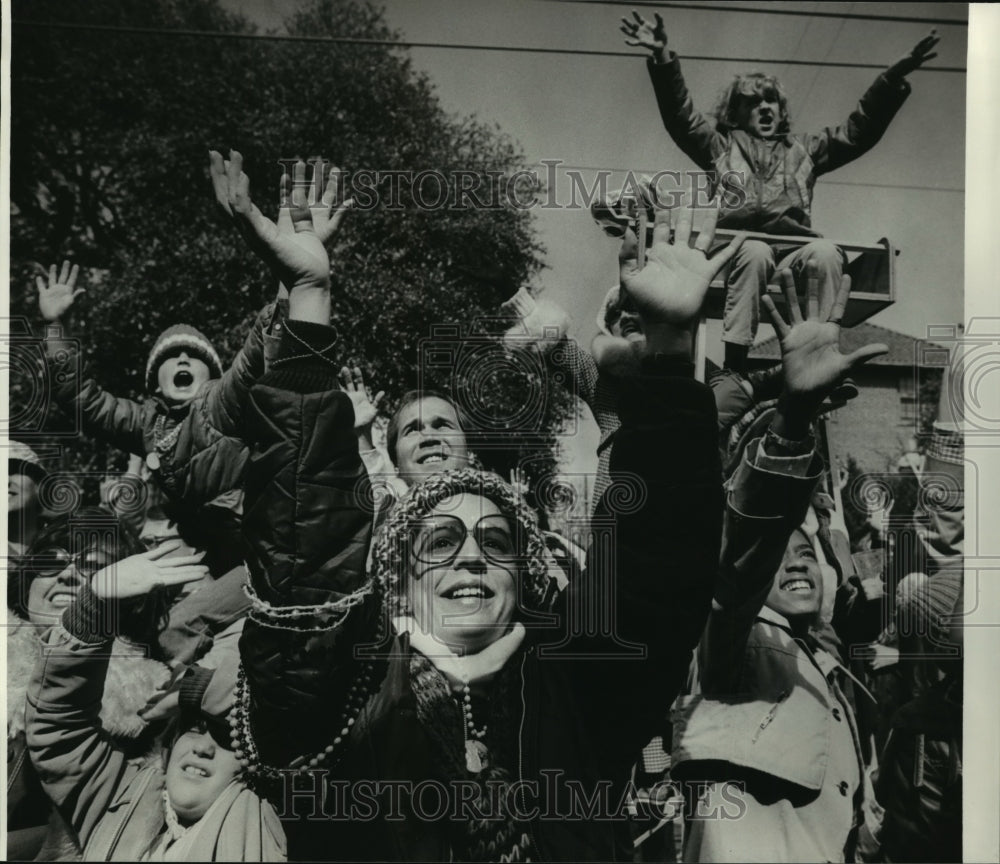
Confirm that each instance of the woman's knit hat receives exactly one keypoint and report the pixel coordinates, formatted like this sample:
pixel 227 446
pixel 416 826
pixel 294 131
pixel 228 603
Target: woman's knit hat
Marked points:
pixel 539 573
pixel 188 338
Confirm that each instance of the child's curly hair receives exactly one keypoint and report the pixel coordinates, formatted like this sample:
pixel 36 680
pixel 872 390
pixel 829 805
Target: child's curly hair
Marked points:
pixel 753 85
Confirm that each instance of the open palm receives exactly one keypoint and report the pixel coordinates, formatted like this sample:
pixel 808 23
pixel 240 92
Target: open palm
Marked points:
pixel 293 247
pixel 811 359
pixel 671 288
pixel 137 575
pixel 58 294
pixel 642 34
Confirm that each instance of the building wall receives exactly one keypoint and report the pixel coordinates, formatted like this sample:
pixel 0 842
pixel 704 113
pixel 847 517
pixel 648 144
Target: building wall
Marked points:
pixel 872 428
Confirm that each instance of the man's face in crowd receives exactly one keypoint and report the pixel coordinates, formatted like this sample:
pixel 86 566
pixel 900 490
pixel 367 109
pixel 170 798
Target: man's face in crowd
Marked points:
pixel 197 771
pixel 430 440
pixel 22 490
pixel 797 589
pixel 761 115
pixel 181 376
pixel 463 567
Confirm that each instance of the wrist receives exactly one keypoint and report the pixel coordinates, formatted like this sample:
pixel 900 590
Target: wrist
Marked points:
pixel 667 339
pixel 364 434
pixel 792 419
pixel 89 617
pixel 660 55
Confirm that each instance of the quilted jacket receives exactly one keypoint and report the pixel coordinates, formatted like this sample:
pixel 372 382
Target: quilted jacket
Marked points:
pixel 208 456
pixel 307 522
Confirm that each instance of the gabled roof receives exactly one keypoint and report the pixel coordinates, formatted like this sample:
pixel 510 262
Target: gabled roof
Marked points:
pixel 903 350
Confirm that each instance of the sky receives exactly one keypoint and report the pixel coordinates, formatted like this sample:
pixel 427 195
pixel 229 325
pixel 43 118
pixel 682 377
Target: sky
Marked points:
pixel 600 112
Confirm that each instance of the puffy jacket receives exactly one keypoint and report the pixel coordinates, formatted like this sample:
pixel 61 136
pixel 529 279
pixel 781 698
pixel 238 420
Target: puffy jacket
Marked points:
pixel 208 456
pixel 307 523
pixel 776 176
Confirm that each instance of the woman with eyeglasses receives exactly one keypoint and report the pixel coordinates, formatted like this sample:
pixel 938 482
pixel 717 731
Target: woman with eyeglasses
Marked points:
pixel 59 563
pixel 449 704
pixel 93 600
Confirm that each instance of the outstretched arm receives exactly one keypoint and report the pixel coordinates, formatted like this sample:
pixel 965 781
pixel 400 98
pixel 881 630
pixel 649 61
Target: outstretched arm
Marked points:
pixel 770 491
pixel 79 766
pixel 307 511
pixel 655 550
pixel 110 418
pixel 690 130
pixel 834 147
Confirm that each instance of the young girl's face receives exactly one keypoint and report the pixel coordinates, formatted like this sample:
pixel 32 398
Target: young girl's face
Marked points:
pixel 197 771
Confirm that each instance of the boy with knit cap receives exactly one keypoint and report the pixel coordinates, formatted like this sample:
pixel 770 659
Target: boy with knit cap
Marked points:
pixel 186 427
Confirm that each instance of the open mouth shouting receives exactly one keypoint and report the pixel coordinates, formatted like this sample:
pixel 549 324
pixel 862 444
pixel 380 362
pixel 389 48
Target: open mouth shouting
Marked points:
pixel 797 584
pixel 183 379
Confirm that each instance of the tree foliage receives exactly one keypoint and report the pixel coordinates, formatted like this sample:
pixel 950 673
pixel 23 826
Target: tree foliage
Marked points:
pixel 110 135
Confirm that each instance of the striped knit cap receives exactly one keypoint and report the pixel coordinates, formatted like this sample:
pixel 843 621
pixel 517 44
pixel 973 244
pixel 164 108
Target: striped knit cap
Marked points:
pixel 181 337
pixel 390 555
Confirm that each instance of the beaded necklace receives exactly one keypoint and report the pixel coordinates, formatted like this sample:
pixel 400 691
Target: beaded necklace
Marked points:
pixel 476 753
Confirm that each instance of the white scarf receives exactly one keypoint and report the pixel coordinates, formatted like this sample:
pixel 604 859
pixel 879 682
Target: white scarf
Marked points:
pixel 468 669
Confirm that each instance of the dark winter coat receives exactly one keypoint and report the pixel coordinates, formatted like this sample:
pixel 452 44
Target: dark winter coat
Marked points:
pixel 208 456
pixel 588 717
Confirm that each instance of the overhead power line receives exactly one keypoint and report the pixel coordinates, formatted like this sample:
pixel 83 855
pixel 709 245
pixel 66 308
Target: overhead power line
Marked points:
pixel 771 10
pixel 516 49
pixel 823 182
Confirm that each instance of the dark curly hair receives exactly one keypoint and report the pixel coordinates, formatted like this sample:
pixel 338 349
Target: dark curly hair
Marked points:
pixel 746 88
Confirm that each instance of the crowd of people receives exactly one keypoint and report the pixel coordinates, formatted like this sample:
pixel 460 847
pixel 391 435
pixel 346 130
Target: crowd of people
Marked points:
pixel 304 643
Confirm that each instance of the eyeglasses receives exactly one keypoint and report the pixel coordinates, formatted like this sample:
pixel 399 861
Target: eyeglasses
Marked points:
pixel 439 539
pixel 52 562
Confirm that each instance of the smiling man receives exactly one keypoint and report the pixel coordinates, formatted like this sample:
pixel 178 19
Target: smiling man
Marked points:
pixel 426 436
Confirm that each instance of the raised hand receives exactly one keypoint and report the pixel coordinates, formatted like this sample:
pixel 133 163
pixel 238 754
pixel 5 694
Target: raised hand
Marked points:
pixel 810 347
pixel 920 54
pixel 538 319
pixel 365 408
pixel 294 247
pixel 669 291
pixel 139 574
pixel 55 297
pixel 519 480
pixel 811 359
pixel 642 34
